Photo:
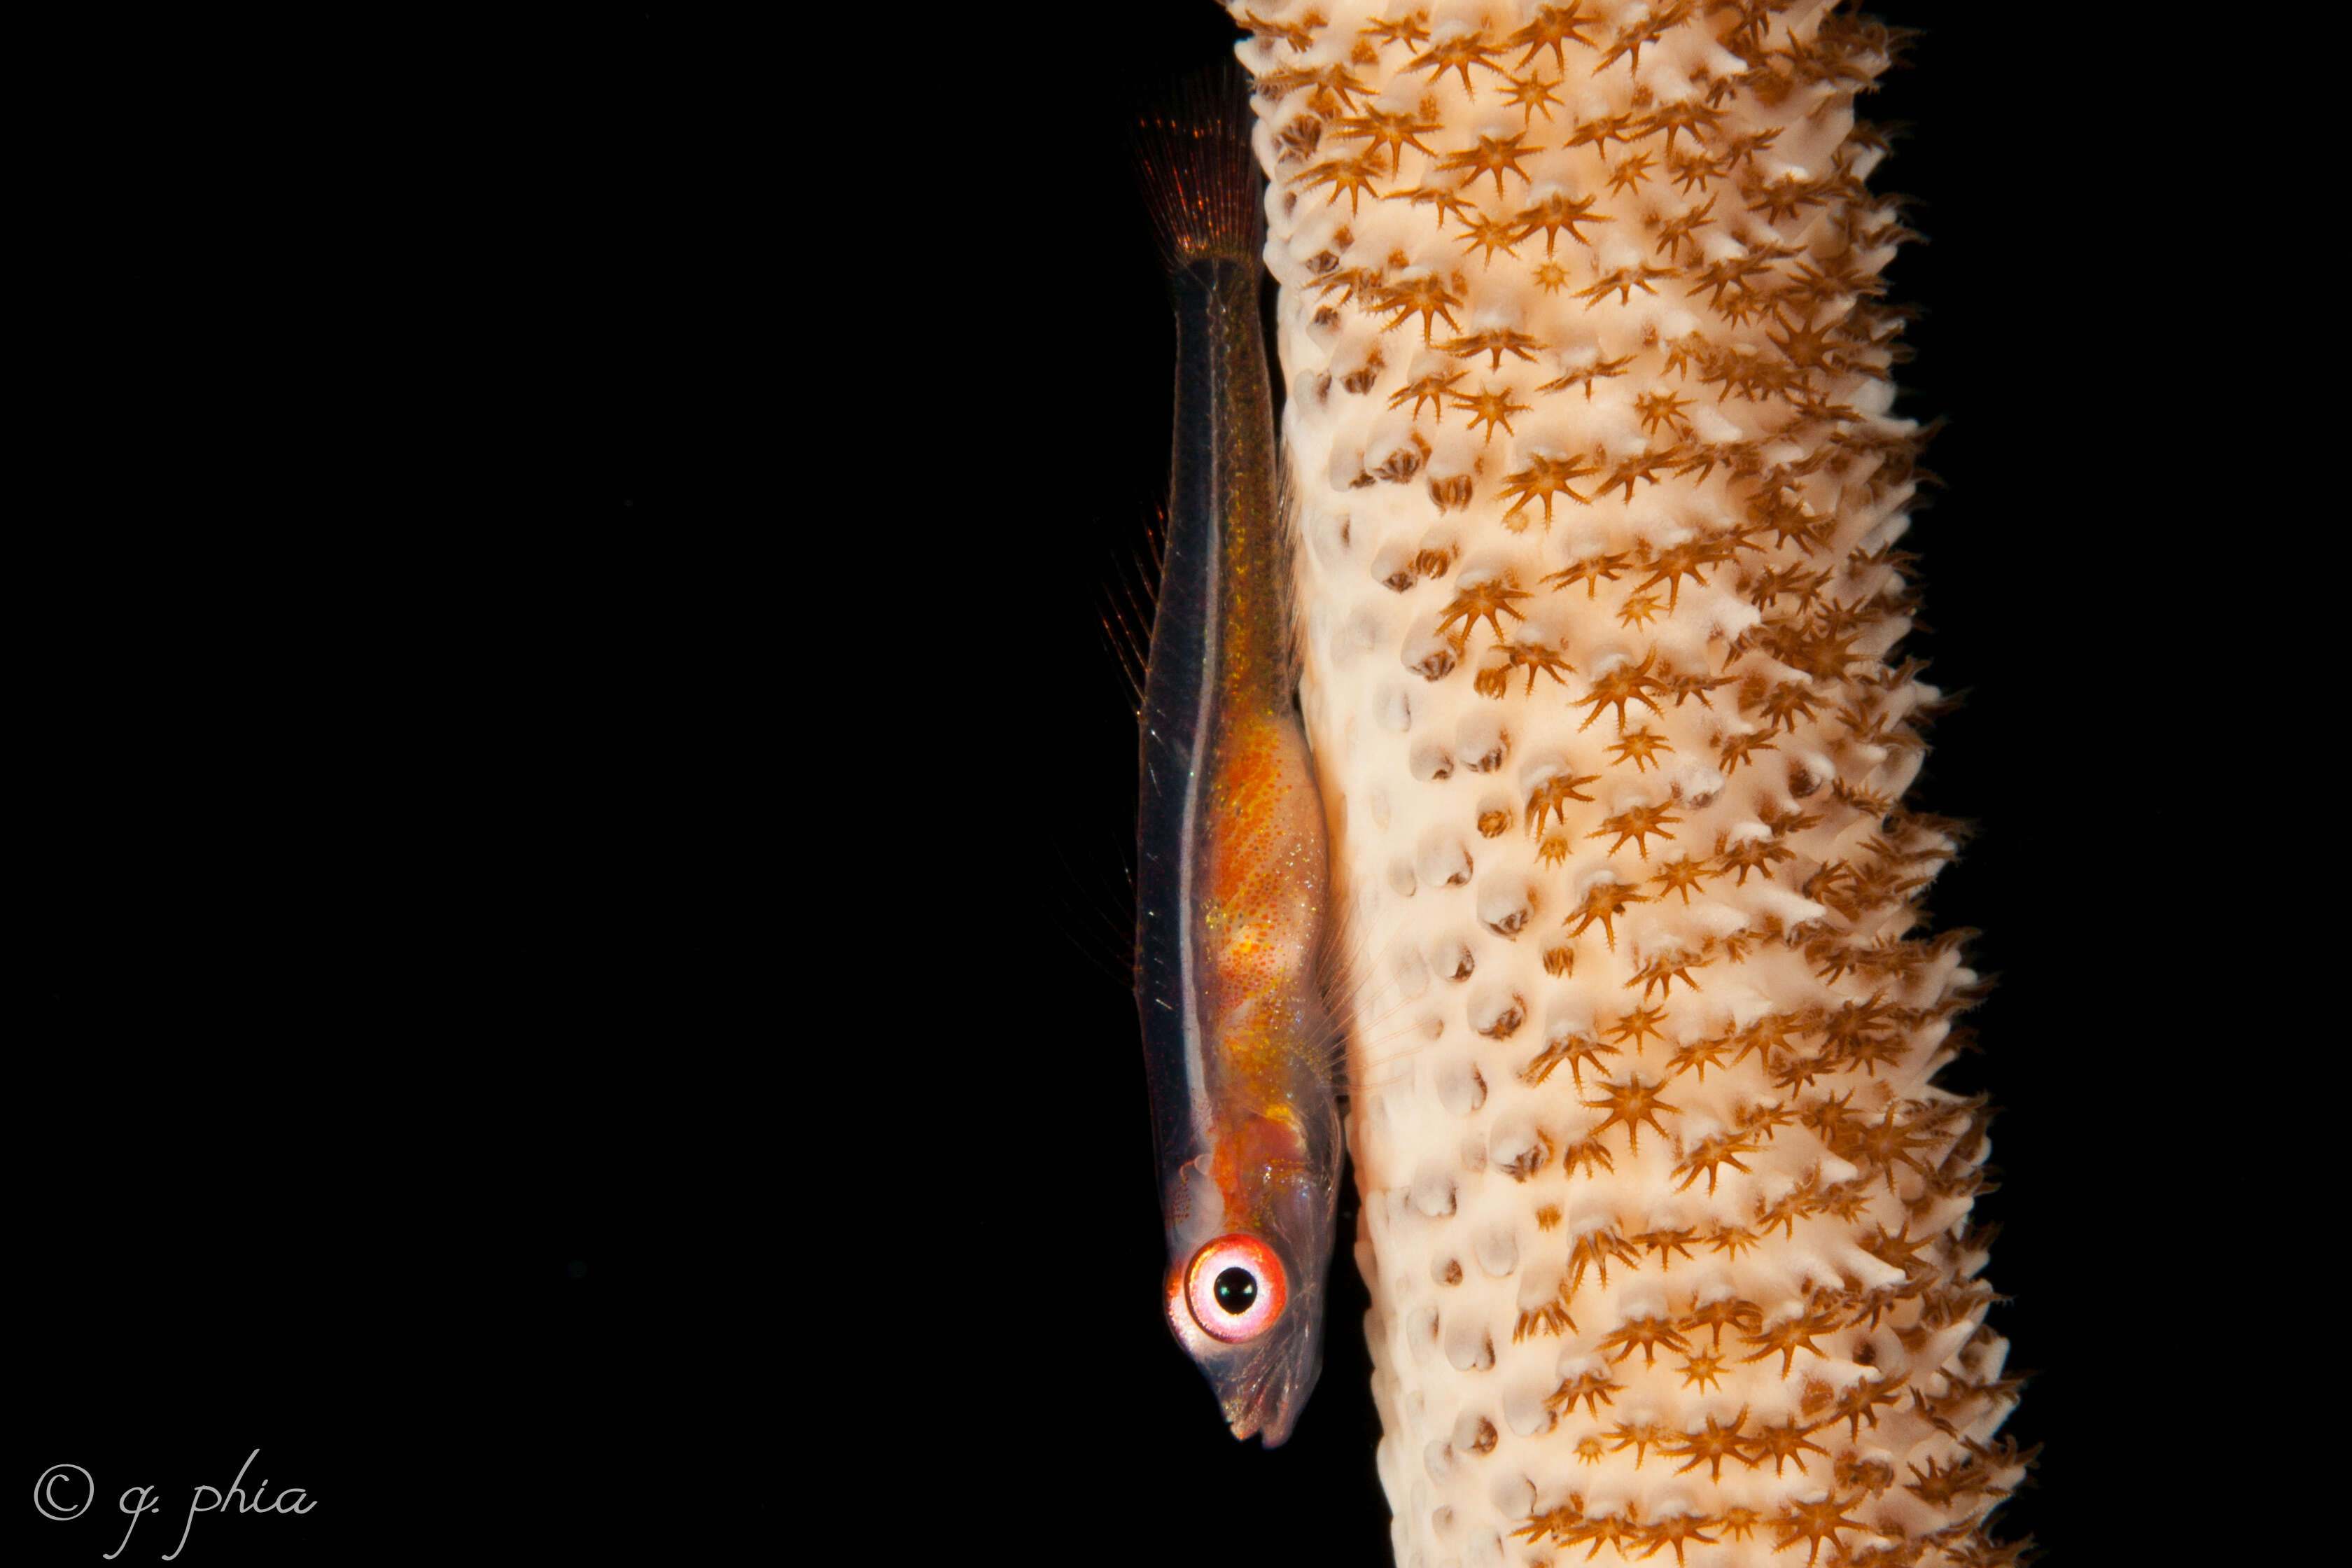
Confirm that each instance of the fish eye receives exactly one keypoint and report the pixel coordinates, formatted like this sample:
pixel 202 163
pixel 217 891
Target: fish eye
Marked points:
pixel 1235 1287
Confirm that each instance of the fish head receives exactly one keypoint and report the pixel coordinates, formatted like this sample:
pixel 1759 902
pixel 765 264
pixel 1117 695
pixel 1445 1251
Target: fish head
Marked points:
pixel 1249 1250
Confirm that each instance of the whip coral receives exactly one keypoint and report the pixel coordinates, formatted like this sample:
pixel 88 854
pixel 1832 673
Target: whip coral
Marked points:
pixel 1598 495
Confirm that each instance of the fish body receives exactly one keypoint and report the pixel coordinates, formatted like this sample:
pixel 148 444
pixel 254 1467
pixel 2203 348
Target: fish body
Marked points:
pixel 1233 871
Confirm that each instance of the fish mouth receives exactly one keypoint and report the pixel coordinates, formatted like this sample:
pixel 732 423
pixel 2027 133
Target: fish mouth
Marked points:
pixel 1265 1399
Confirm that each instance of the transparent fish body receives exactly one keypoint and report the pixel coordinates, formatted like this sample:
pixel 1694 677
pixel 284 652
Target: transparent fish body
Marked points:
pixel 1232 873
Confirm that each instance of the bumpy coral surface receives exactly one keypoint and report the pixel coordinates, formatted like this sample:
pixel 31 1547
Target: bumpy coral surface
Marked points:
pixel 1598 496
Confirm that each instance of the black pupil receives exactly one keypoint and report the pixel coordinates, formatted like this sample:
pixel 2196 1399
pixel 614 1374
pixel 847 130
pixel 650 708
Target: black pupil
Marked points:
pixel 1237 1290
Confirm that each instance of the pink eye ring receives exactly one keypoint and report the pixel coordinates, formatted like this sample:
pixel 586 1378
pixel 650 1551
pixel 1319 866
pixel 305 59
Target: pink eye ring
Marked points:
pixel 1236 1288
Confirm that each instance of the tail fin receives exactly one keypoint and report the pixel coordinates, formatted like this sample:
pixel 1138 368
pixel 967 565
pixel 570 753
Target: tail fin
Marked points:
pixel 1200 175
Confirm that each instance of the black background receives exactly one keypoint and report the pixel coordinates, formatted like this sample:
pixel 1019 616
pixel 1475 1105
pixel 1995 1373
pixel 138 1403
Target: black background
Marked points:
pixel 571 780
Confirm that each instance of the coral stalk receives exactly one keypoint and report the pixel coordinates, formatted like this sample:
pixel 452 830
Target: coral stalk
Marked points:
pixel 1597 494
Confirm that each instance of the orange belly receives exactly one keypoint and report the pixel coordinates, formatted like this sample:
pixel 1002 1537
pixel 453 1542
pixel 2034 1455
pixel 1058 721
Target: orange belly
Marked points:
pixel 1266 886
